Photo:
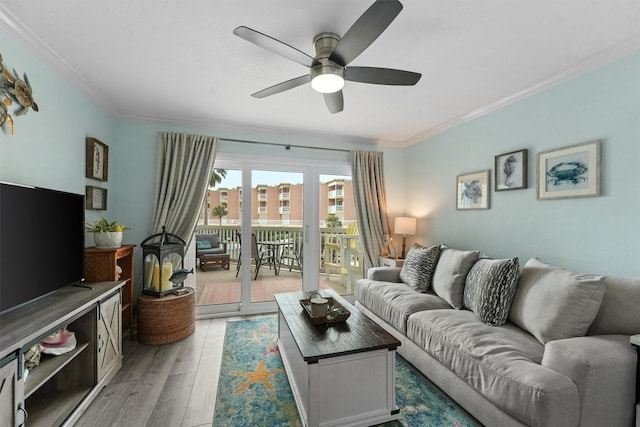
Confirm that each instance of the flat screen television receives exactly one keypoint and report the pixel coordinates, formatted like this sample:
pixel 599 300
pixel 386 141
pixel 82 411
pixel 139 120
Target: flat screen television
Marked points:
pixel 41 242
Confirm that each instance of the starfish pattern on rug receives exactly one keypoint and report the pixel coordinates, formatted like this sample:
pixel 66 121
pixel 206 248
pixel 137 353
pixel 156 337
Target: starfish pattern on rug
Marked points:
pixel 260 375
pixel 271 350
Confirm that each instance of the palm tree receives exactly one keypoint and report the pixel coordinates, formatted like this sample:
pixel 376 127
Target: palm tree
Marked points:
pixel 220 211
pixel 217 175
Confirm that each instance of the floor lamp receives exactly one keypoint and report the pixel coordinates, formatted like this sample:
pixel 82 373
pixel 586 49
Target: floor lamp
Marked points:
pixel 405 226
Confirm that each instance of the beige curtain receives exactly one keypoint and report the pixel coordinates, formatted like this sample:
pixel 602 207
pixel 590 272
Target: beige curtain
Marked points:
pixel 370 203
pixel 184 166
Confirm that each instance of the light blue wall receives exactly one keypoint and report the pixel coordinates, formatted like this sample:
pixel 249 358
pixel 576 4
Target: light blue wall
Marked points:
pixel 597 235
pixel 48 146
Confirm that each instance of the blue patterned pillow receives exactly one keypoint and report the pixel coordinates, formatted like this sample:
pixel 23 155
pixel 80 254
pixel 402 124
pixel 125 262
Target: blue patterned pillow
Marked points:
pixel 203 244
pixel 490 288
pixel 419 266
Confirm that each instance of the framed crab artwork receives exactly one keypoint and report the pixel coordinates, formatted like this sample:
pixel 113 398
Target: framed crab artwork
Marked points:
pixel 569 172
pixel 472 190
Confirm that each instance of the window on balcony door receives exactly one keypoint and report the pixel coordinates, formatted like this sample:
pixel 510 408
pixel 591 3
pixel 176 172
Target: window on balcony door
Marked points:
pixel 342 260
pixel 285 207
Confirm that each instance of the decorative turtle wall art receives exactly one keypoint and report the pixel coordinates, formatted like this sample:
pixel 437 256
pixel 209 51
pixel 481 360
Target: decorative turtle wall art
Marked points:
pixel 14 89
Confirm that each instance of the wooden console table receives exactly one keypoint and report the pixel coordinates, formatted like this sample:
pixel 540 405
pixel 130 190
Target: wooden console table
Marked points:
pixel 60 388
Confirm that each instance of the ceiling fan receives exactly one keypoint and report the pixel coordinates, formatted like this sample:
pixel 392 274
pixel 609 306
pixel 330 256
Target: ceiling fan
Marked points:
pixel 328 69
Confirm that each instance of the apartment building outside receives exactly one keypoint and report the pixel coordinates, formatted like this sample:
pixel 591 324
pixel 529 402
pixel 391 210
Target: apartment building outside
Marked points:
pixel 282 203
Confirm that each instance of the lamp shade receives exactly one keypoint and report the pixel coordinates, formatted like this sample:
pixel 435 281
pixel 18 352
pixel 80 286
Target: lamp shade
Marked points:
pixel 405 225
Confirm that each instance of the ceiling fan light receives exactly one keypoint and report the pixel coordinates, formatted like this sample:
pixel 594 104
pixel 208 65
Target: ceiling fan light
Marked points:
pixel 327 83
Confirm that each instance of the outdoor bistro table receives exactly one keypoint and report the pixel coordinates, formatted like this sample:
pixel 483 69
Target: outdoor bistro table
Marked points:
pixel 274 247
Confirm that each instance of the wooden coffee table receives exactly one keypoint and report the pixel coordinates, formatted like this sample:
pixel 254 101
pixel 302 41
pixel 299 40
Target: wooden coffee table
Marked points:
pixel 341 374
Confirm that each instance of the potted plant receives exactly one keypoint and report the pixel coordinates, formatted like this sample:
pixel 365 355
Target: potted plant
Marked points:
pixel 106 235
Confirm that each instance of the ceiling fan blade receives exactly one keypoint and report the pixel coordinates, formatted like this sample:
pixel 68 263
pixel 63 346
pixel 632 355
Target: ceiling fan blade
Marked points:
pixel 281 87
pixel 365 30
pixel 274 45
pixel 381 76
pixel 334 101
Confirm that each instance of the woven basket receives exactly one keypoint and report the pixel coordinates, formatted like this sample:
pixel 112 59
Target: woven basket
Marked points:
pixel 167 319
pixel 323 320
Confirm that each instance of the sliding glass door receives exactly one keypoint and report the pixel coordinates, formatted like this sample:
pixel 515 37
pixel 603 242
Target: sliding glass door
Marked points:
pixel 269 213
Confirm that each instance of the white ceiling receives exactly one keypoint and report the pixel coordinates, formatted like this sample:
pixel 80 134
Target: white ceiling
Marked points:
pixel 178 62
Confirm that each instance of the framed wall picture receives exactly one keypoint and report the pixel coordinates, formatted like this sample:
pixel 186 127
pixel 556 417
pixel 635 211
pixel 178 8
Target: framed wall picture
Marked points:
pixel 511 171
pixel 472 190
pixel 96 198
pixel 568 172
pixel 97 163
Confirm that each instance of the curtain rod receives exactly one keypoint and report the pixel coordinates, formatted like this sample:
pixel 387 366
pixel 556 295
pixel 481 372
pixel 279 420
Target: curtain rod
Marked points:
pixel 286 146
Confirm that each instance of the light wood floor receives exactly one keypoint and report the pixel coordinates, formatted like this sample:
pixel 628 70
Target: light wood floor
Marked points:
pixel 164 386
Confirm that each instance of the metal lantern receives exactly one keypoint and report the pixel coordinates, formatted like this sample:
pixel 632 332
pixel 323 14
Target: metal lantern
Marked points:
pixel 163 254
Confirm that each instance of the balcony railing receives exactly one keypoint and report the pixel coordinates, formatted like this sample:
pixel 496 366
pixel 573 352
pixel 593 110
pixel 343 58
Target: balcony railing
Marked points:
pixel 292 233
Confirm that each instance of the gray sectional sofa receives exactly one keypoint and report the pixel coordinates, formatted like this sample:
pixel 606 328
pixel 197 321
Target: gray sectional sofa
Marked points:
pixel 544 347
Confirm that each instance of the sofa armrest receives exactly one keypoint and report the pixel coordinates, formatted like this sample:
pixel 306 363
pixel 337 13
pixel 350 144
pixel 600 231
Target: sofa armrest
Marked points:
pixel 384 274
pixel 603 368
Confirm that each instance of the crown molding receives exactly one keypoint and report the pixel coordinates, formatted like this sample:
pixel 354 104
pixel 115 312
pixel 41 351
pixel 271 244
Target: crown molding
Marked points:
pixel 249 131
pixel 599 59
pixel 41 49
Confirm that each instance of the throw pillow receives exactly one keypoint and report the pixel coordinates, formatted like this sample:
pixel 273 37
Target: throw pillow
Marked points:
pixel 203 244
pixel 490 287
pixel 419 266
pixel 552 303
pixel 451 272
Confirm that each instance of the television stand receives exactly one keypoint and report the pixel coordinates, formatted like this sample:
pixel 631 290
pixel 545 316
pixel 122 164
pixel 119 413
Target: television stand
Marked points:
pixel 60 388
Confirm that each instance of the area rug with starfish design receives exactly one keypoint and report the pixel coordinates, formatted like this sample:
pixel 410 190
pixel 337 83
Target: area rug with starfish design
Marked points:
pixel 253 389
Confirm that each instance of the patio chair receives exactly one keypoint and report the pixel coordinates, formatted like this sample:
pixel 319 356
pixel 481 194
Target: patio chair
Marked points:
pixel 292 256
pixel 343 254
pixel 209 250
pixel 257 255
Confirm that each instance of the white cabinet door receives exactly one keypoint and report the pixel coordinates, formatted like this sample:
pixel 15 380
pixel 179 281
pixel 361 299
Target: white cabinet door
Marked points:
pixel 109 341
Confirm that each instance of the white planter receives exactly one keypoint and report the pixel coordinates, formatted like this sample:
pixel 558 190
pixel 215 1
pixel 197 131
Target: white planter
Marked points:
pixel 108 240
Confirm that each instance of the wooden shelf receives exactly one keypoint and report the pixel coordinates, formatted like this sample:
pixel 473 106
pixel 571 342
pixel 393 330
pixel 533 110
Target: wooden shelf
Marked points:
pixel 48 367
pixel 53 409
pixel 100 266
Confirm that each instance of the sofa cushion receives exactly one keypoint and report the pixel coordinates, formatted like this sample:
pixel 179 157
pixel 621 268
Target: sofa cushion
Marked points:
pixel 210 251
pixel 618 313
pixel 395 302
pixel 502 363
pixel 553 303
pixel 451 273
pixel 490 287
pixel 419 266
